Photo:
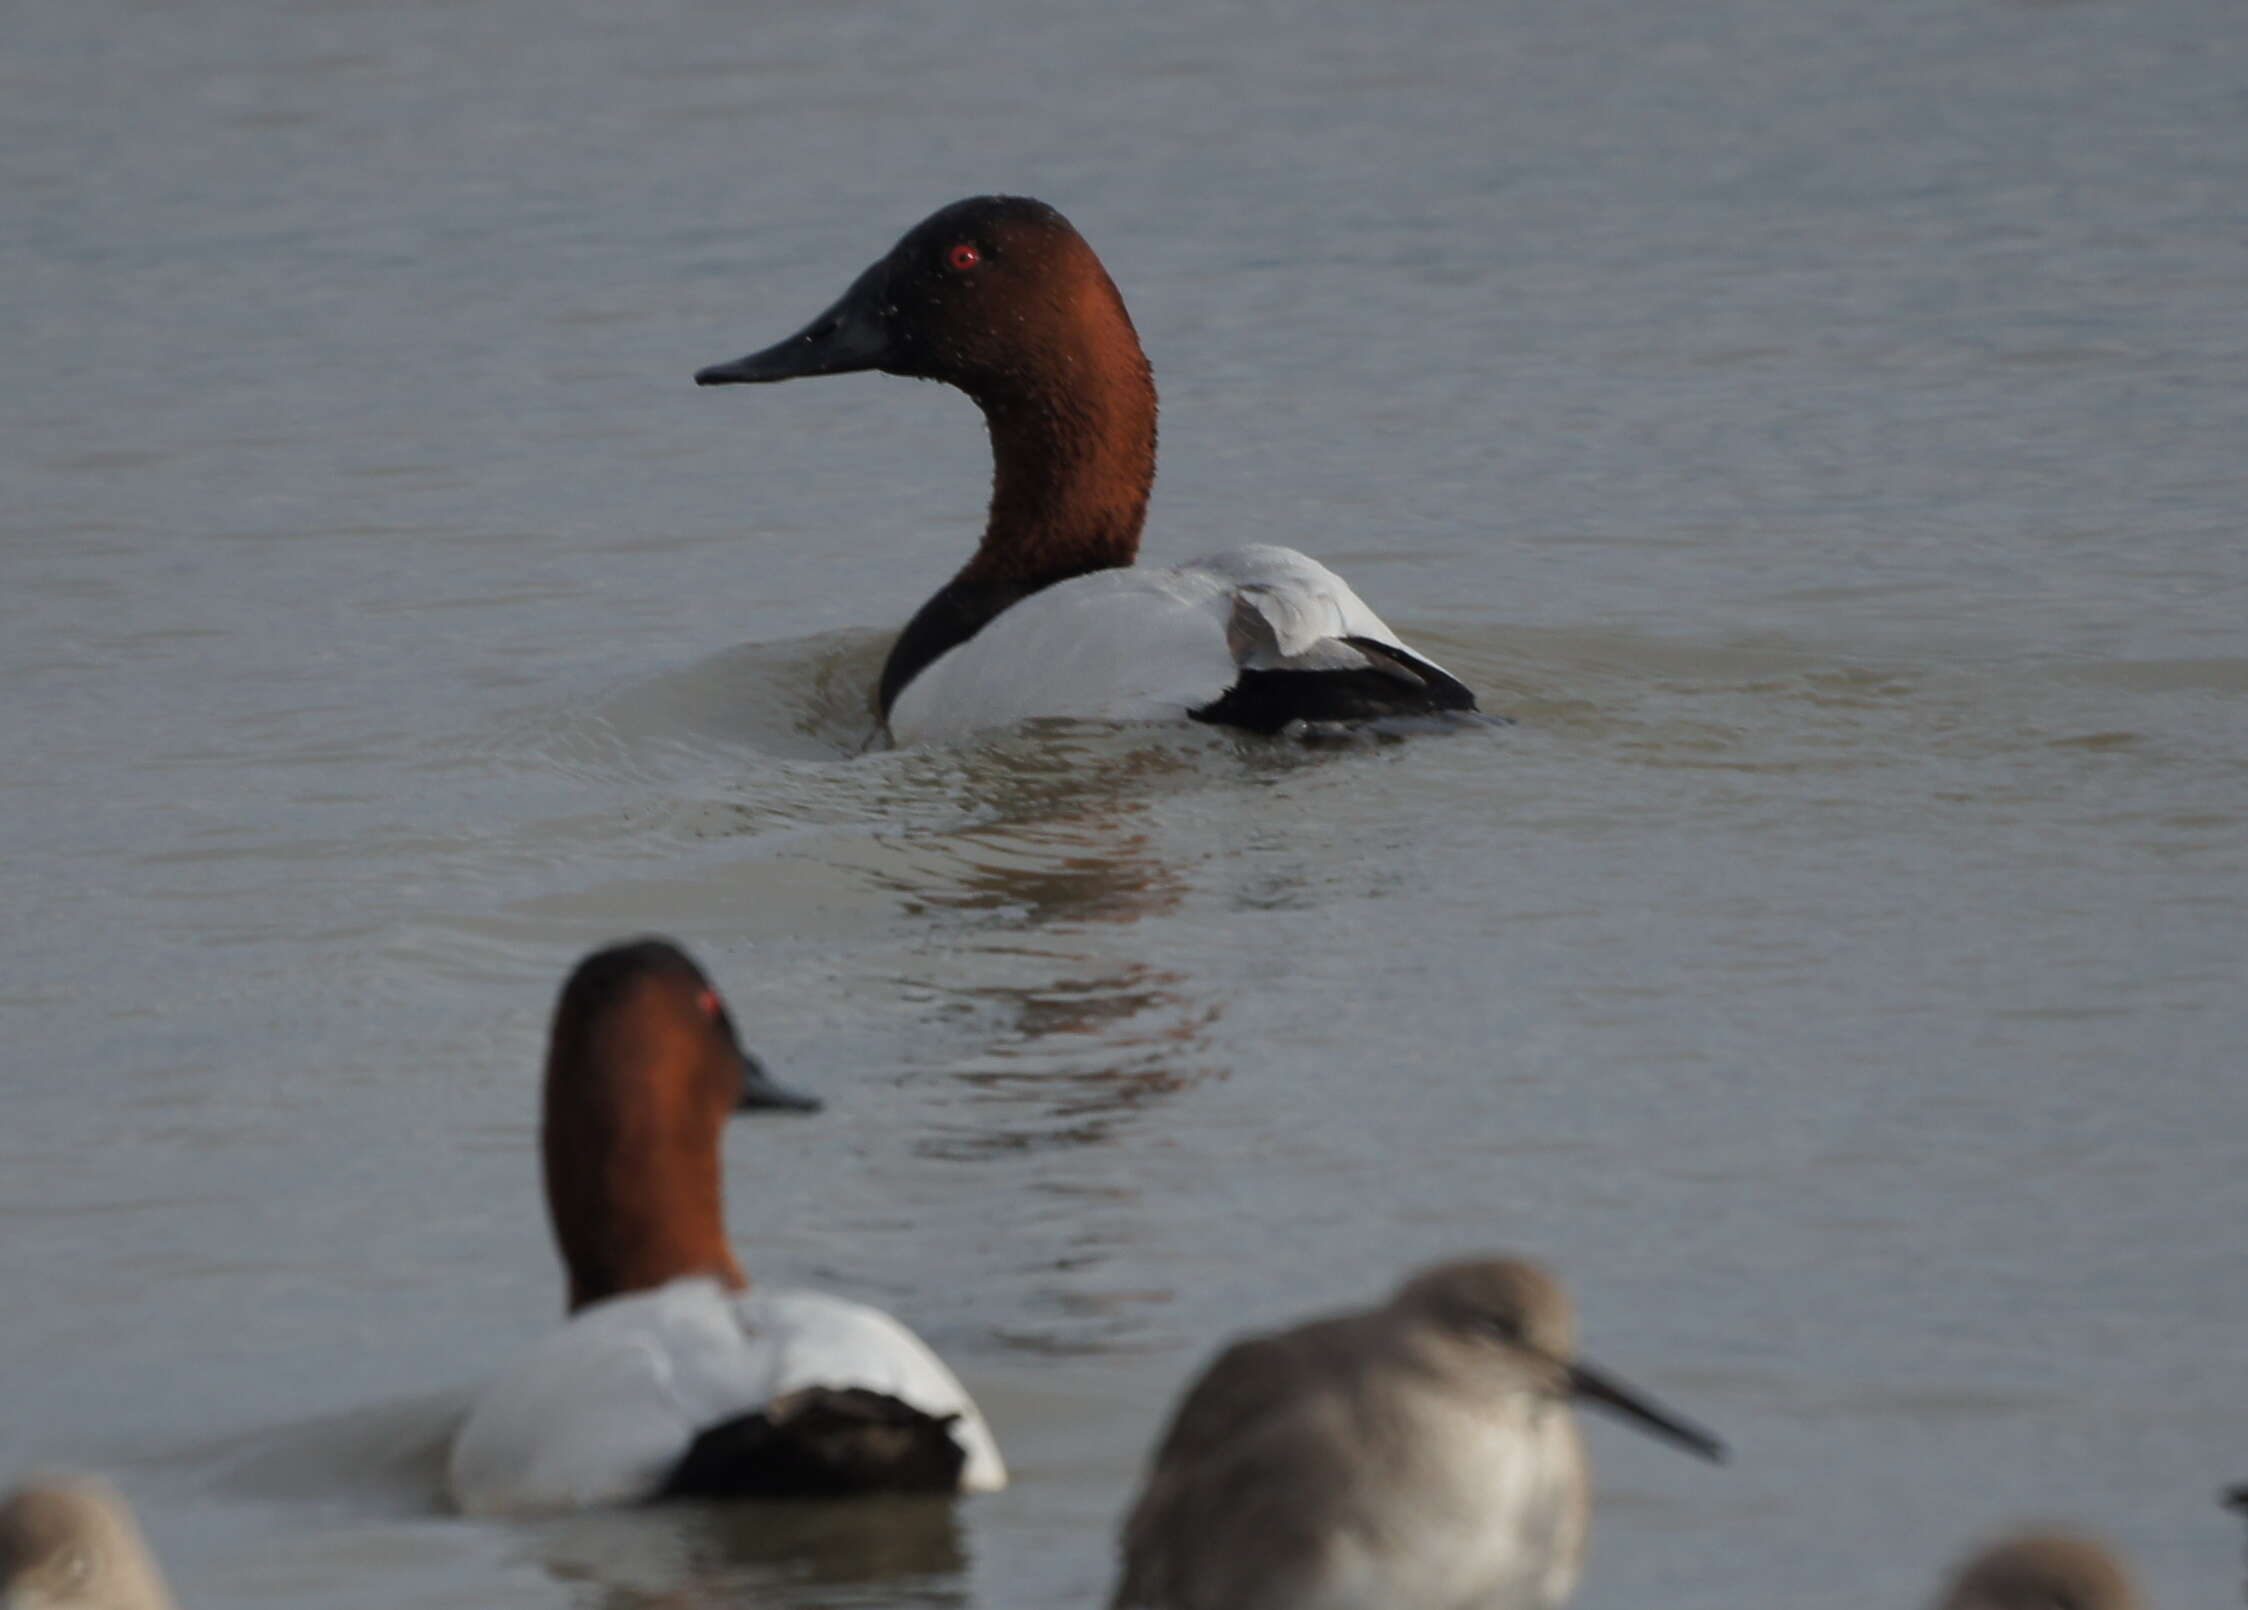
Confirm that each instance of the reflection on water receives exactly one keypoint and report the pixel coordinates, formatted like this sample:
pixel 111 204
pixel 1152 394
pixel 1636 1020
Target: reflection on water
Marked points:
pixel 905 1552
pixel 1090 863
pixel 1084 1036
pixel 1086 1056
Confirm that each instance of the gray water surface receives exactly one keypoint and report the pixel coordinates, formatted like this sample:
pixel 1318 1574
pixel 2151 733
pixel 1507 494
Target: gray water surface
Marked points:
pixel 1821 426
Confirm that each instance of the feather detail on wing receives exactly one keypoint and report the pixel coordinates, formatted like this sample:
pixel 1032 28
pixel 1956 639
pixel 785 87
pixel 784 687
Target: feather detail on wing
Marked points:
pixel 823 1341
pixel 1160 644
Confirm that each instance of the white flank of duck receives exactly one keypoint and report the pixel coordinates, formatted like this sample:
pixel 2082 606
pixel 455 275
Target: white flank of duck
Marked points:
pixel 1154 644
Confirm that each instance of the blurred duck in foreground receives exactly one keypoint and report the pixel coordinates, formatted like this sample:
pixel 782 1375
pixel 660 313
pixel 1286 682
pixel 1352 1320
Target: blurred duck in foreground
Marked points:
pixel 2040 1571
pixel 1417 1456
pixel 70 1543
pixel 2236 1499
pixel 672 1376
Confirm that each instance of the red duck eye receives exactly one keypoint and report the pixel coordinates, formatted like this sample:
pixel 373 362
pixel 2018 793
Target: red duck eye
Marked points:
pixel 963 256
pixel 711 1005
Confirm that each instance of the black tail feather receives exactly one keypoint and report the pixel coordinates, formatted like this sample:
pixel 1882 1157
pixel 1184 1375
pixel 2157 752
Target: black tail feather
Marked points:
pixel 1394 683
pixel 822 1442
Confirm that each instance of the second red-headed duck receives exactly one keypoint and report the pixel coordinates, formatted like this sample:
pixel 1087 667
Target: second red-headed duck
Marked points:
pixel 673 1376
pixel 1000 297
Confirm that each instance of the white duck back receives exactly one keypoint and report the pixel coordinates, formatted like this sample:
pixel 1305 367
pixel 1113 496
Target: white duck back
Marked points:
pixel 1140 644
pixel 601 1410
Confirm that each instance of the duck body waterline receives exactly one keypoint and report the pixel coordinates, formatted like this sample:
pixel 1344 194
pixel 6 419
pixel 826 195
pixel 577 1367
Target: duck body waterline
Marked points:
pixel 1258 638
pixel 680 1392
pixel 672 1377
pixel 1001 297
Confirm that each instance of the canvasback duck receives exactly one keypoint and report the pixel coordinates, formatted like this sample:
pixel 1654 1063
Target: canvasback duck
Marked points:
pixel 999 296
pixel 2040 1571
pixel 1416 1456
pixel 672 1376
pixel 70 1543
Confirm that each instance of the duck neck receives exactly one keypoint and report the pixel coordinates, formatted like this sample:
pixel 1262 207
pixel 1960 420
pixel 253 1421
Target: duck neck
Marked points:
pixel 636 1203
pixel 1071 470
pixel 1073 459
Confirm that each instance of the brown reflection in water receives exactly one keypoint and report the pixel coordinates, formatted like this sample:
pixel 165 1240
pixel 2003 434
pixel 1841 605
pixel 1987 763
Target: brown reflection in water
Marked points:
pixel 1070 845
pixel 1056 921
pixel 1085 1055
pixel 1087 1040
pixel 691 1556
pixel 1088 1057
pixel 1055 873
pixel 1094 1037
